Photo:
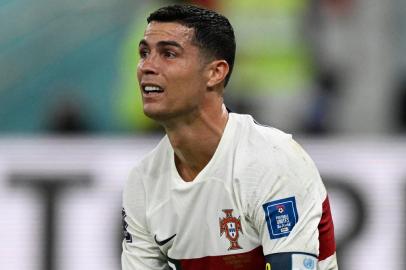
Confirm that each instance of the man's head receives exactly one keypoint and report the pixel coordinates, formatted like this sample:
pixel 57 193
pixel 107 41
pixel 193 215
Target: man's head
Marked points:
pixel 213 33
pixel 186 56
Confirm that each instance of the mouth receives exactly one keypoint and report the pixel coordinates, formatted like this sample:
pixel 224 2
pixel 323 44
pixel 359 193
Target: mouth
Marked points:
pixel 151 88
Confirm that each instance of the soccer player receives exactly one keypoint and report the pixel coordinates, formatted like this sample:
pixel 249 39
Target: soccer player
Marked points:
pixel 219 191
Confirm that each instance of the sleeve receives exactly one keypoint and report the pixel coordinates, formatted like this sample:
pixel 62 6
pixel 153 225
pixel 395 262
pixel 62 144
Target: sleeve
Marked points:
pixel 288 208
pixel 139 251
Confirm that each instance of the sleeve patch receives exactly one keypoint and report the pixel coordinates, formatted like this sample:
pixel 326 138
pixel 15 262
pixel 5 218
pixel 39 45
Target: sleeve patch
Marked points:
pixel 291 261
pixel 303 261
pixel 281 216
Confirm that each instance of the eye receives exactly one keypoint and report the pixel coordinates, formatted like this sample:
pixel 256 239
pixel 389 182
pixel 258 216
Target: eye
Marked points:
pixel 169 54
pixel 143 52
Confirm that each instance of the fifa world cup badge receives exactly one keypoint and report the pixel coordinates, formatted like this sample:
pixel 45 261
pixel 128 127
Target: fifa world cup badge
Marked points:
pixel 231 226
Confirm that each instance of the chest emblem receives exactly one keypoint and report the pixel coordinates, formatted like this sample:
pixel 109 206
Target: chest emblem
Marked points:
pixel 231 226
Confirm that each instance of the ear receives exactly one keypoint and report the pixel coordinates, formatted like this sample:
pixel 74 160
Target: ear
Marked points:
pixel 218 70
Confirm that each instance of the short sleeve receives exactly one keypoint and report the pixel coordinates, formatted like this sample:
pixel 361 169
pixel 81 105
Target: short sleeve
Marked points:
pixel 139 249
pixel 288 202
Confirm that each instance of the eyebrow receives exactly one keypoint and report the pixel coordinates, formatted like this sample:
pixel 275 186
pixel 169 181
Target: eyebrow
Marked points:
pixel 162 43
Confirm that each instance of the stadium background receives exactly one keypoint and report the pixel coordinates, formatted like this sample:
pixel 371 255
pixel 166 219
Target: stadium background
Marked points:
pixel 332 72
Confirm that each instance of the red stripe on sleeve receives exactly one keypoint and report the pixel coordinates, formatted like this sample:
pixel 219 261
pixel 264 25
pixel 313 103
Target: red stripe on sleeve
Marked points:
pixel 326 232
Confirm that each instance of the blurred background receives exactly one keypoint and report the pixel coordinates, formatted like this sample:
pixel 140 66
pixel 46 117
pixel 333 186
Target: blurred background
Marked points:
pixel 331 72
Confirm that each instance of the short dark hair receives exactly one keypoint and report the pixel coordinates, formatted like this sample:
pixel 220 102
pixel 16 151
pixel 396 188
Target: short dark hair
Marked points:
pixel 213 32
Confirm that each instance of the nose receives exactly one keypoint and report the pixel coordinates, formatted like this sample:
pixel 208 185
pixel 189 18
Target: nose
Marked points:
pixel 148 65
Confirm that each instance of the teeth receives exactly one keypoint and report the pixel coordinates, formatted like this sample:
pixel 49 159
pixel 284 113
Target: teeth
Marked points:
pixel 152 89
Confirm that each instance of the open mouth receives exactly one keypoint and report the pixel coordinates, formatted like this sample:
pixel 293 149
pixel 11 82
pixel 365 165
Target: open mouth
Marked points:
pixel 152 89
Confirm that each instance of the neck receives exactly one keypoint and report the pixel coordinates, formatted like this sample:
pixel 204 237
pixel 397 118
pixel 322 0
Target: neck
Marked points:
pixel 195 140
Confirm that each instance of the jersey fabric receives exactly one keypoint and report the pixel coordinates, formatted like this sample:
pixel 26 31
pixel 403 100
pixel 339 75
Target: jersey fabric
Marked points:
pixel 260 195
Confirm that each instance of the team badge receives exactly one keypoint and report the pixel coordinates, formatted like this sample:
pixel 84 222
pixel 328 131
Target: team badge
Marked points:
pixel 231 226
pixel 281 216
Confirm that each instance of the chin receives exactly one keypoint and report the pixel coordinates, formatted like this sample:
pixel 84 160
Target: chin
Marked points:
pixel 156 115
pixel 163 117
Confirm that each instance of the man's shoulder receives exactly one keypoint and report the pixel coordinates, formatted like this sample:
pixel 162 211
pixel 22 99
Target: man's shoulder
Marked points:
pixel 153 164
pixel 263 147
pixel 157 155
pixel 258 138
pixel 266 155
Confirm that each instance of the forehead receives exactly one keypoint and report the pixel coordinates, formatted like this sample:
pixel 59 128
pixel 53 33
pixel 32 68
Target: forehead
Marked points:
pixel 161 31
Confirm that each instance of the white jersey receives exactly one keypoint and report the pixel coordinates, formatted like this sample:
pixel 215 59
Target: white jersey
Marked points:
pixel 259 195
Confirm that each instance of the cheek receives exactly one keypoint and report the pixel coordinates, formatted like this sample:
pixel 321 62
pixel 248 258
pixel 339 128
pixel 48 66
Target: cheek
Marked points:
pixel 192 76
pixel 138 71
pixel 187 86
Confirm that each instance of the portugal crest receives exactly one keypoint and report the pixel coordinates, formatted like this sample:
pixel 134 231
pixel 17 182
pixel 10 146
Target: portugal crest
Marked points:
pixel 231 226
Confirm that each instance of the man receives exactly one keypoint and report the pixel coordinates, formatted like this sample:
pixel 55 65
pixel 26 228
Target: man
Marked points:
pixel 219 191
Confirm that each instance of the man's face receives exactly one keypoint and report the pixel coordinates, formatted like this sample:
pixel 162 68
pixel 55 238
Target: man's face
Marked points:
pixel 170 71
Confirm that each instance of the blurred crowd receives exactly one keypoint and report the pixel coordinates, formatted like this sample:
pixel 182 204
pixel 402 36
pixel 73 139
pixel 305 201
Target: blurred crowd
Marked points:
pixel 309 67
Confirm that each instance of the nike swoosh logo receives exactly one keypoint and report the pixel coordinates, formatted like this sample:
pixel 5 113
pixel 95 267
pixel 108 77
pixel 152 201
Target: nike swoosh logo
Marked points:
pixel 163 242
